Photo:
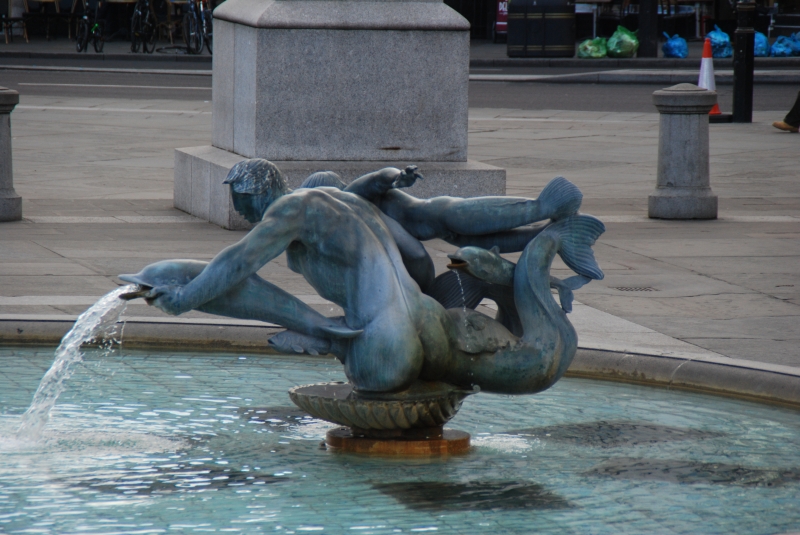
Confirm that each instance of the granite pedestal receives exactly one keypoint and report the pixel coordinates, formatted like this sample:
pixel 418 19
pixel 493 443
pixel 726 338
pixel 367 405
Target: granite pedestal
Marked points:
pixel 683 189
pixel 349 86
pixel 10 202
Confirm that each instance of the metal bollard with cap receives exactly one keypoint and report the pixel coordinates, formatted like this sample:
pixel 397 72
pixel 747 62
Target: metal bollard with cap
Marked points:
pixel 10 202
pixel 683 189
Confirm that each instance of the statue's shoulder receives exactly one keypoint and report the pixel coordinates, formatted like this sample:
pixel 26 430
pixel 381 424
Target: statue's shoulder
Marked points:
pixel 292 204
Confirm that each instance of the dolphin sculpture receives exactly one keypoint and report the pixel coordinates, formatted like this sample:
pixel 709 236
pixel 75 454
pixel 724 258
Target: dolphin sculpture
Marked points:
pixel 489 353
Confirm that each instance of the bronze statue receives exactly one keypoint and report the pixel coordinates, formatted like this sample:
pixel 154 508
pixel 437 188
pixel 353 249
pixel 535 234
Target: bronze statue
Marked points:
pixel 359 247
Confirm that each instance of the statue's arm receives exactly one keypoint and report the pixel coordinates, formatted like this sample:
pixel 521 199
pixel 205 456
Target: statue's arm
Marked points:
pixel 416 259
pixel 374 185
pixel 231 266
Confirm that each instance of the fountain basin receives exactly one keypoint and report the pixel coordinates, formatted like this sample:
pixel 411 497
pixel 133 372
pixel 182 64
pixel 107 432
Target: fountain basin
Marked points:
pixel 154 442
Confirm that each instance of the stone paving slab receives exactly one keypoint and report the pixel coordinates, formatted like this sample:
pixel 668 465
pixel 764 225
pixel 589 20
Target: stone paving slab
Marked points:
pixel 718 289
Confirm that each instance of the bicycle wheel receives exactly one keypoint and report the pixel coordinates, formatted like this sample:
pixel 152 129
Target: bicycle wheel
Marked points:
pixel 82 35
pixel 192 34
pixel 136 29
pixel 149 33
pixel 97 38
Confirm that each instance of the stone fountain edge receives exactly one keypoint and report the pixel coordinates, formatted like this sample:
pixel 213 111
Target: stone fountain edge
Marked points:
pixel 747 379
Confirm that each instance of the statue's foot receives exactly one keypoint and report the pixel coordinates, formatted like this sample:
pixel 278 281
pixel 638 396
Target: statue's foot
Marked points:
pixel 560 198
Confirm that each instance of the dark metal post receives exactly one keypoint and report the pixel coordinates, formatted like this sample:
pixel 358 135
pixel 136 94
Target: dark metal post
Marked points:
pixel 743 63
pixel 648 29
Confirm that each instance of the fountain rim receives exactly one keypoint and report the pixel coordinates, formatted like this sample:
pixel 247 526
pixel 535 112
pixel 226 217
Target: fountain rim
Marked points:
pixel 738 378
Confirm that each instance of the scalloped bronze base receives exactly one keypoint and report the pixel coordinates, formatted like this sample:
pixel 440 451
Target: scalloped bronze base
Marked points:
pixel 423 405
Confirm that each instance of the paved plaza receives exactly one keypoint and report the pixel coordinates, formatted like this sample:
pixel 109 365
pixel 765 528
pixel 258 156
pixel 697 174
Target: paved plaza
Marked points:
pixel 96 179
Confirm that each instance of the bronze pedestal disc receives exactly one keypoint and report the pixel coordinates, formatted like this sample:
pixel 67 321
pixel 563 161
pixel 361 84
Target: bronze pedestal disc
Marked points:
pixel 450 442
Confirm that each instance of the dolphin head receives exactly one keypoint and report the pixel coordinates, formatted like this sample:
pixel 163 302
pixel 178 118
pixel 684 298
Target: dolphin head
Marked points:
pixel 480 263
pixel 164 273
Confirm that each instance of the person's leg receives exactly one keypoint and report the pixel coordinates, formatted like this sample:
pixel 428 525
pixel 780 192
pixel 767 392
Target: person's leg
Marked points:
pixel 793 117
pixel 790 123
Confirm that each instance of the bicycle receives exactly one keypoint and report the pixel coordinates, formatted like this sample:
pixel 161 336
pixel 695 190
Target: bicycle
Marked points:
pixel 143 27
pixel 197 26
pixel 90 30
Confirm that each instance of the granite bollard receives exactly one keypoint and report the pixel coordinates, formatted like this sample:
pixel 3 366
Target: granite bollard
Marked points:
pixel 10 202
pixel 683 189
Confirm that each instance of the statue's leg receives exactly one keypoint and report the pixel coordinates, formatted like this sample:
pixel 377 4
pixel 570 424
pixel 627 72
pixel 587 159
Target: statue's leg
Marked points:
pixel 416 259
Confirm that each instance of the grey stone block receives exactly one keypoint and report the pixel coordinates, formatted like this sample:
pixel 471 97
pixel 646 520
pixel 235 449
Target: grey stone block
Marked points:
pixel 669 204
pixel 8 99
pixel 182 182
pixel 461 179
pixel 683 189
pixel 421 15
pixel 245 106
pixel 206 167
pixel 388 83
pixel 200 188
pixel 458 179
pixel 223 85
pixel 361 95
pixel 10 207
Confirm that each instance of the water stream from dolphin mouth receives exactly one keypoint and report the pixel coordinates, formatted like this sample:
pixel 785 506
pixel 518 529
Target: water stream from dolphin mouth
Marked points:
pixel 98 323
pixel 463 297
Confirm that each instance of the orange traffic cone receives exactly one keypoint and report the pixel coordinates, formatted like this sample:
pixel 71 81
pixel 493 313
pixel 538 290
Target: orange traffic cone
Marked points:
pixel 706 80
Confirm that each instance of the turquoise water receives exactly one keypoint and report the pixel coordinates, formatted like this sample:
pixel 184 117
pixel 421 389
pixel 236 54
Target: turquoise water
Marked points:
pixel 177 443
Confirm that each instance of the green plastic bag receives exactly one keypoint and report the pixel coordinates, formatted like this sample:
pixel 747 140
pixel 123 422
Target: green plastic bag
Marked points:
pixel 623 44
pixel 593 48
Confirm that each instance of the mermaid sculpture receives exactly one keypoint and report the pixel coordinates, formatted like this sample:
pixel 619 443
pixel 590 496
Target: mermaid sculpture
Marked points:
pixel 359 247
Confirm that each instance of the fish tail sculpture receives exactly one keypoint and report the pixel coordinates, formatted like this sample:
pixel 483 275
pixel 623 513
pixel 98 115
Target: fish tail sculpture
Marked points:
pixel 539 357
pixel 560 198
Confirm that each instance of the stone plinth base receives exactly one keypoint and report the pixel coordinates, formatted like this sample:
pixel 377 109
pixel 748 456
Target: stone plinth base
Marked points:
pixel 199 172
pixel 451 442
pixel 10 208
pixel 672 203
pixel 322 80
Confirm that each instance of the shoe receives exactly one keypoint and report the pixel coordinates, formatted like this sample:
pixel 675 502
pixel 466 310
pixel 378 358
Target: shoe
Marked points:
pixel 780 125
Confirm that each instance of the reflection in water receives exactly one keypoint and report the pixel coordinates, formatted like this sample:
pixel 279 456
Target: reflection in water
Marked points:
pixel 277 416
pixel 694 472
pixel 151 479
pixel 604 434
pixel 167 443
pixel 473 496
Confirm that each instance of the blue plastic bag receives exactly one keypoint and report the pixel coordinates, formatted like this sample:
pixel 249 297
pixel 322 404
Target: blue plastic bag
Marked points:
pixel 796 44
pixel 675 47
pixel 761 49
pixel 720 43
pixel 781 48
